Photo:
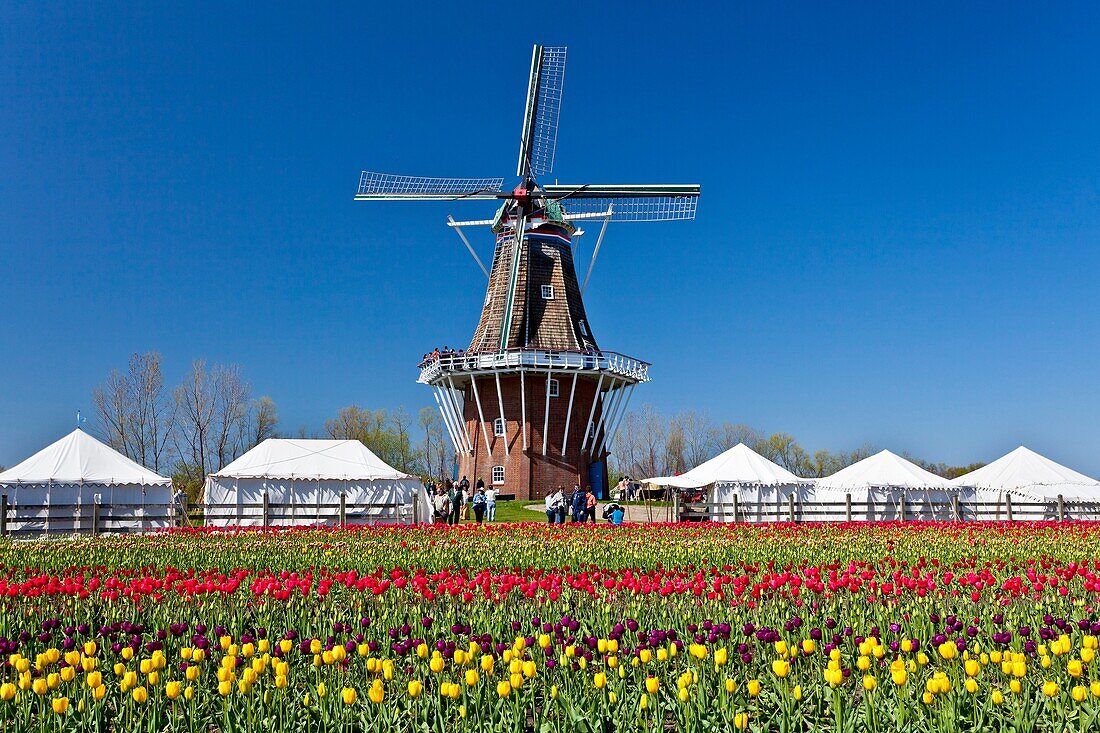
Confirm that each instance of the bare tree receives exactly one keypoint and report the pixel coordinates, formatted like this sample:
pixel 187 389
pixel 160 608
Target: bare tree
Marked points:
pixel 400 422
pixel 700 437
pixel 195 410
pixel 134 411
pixel 230 393
pixel 261 422
pixel 730 435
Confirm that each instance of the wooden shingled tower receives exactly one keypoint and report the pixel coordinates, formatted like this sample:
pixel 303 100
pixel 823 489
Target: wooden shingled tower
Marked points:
pixel 534 403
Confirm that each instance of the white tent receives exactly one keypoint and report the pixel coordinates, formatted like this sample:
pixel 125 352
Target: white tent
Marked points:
pixel 1024 473
pixel 54 489
pixel 304 480
pixel 881 482
pixel 762 488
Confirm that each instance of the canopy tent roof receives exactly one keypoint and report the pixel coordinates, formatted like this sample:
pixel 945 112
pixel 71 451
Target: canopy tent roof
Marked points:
pixel 1025 472
pixel 882 470
pixel 738 465
pixel 281 458
pixel 80 458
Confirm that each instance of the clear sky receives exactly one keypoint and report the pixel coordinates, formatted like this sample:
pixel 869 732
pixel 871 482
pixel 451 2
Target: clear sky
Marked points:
pixel 897 241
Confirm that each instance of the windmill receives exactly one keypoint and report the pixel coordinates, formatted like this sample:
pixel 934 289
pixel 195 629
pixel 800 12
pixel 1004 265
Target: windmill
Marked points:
pixel 533 403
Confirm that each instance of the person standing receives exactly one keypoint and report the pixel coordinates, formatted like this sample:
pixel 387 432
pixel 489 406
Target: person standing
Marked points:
pixel 577 504
pixel 442 506
pixel 490 502
pixel 551 510
pixel 478 503
pixel 480 482
pixel 590 505
pixel 560 505
pixel 465 494
pixel 454 499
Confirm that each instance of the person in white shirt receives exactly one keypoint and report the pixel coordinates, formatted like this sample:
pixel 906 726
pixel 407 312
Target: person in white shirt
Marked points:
pixel 490 504
pixel 551 508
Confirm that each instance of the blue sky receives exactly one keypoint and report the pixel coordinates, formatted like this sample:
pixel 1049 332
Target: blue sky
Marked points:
pixel 897 241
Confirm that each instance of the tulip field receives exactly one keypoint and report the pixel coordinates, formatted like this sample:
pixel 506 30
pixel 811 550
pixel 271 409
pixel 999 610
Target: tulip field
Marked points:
pixel 845 627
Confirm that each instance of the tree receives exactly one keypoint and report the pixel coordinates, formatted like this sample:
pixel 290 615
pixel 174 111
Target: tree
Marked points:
pixel 211 407
pixel 700 437
pixel 261 422
pixel 730 435
pixel 401 421
pixel 136 416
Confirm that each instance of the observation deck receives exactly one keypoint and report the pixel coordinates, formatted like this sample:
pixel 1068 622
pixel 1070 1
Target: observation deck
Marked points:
pixel 452 364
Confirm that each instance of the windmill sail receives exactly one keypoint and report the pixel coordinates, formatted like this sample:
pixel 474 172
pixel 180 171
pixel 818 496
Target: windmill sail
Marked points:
pixel 539 138
pixel 420 188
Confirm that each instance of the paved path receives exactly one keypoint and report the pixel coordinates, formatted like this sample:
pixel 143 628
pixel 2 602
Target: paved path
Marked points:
pixel 638 513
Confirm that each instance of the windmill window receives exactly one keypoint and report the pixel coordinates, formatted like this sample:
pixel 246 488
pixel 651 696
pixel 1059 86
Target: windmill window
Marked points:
pixel 498 474
pixel 553 388
pixel 547 292
pixel 583 326
pixel 498 427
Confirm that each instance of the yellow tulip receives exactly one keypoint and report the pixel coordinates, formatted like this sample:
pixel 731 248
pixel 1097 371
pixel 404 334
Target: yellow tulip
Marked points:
pixel 504 688
pixel 971 685
pixel 869 682
pixel 1074 668
pixel 741 721
pixel 1050 689
pixel 348 695
pixel 753 687
pixel 376 693
pixel 7 691
pixel 796 693
pixel 1079 693
pixel 140 695
pixel 172 690
pixel 471 677
pixel 781 668
pixel 60 705
pixel 730 686
pixel 997 697
pixel 643 702
pixel 972 668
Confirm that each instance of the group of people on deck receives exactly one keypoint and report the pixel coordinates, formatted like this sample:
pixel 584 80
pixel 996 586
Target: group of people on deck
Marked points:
pixel 454 501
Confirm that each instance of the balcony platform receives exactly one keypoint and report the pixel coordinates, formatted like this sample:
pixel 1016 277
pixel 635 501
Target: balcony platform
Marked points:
pixel 455 365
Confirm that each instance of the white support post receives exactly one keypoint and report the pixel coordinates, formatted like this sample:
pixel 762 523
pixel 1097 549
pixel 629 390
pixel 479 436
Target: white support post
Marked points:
pixel 458 229
pixel 622 413
pixel 591 414
pixel 596 251
pixel 523 407
pixel 597 437
pixel 546 414
pixel 500 404
pixel 447 422
pixel 450 417
pixel 568 415
pixel 460 419
pixel 481 416
pixel 612 416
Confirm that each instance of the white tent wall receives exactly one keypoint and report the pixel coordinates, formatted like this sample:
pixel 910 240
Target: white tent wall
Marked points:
pixel 758 502
pixel 239 501
pixel 66 508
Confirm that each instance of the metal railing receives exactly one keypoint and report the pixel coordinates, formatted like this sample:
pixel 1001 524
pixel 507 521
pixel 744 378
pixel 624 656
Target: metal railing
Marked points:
pixel 793 509
pixel 453 362
pixel 90 518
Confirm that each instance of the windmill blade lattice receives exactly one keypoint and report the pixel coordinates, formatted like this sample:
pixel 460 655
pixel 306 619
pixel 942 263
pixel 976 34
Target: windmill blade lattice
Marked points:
pixel 389 186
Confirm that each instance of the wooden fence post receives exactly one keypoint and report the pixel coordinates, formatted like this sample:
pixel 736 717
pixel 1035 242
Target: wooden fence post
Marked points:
pixel 901 508
pixel 955 509
pixel 415 511
pixel 95 519
pixel 344 508
pixel 267 510
pixel 1008 505
pixel 4 514
pixel 735 502
pixel 790 506
pixel 848 507
pixel 675 506
pixel 1061 509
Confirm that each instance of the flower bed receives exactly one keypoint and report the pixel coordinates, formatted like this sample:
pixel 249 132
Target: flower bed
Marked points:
pixel 913 626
